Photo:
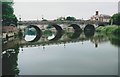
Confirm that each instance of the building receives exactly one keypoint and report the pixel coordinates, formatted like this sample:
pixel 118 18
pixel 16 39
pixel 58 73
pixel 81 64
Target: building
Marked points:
pixel 9 29
pixel 101 17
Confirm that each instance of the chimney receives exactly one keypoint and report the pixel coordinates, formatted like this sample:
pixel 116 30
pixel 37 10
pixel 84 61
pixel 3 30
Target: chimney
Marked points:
pixel 97 12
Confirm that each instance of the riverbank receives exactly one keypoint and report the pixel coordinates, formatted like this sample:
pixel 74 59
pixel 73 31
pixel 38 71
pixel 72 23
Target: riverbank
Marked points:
pixel 109 29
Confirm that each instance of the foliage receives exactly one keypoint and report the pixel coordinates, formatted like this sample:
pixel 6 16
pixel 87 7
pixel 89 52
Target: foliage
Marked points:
pixel 109 29
pixel 48 33
pixel 7 14
pixel 70 18
pixel 116 19
pixel 20 34
pixel 117 31
pixel 44 20
pixel 49 26
pixel 60 18
pixel 114 39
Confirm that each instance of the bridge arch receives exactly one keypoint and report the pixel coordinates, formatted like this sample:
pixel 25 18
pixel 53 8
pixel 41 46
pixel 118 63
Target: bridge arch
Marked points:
pixel 89 27
pixel 76 27
pixel 58 34
pixel 57 27
pixel 38 34
pixel 77 31
pixel 89 30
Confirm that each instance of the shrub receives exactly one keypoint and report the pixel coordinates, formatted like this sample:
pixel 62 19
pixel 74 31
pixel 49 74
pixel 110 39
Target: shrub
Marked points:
pixel 117 31
pixel 108 29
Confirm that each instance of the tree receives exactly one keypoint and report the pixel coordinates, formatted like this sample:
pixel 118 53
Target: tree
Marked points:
pixel 116 19
pixel 70 18
pixel 61 18
pixel 7 14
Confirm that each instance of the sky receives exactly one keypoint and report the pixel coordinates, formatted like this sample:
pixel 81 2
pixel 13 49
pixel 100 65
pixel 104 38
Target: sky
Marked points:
pixel 65 0
pixel 35 10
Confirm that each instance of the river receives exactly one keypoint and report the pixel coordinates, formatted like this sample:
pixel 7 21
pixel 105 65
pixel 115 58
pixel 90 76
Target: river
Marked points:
pixel 96 55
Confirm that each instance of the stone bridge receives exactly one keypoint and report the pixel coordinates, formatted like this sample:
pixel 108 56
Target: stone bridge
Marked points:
pixel 63 24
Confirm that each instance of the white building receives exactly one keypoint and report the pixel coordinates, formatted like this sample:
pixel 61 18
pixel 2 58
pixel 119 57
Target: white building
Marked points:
pixel 101 17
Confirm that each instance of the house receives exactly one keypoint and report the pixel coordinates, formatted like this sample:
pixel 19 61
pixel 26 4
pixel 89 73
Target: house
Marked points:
pixel 8 29
pixel 100 17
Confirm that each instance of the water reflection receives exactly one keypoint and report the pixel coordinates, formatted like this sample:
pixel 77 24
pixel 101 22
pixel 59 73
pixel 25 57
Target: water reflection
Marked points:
pixel 63 45
pixel 115 40
pixel 29 37
pixel 89 31
pixel 9 61
pixel 70 57
pixel 32 33
pixel 51 37
pixel 57 36
pixel 75 35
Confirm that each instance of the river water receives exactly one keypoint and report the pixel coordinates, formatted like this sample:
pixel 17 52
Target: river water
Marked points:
pixel 85 56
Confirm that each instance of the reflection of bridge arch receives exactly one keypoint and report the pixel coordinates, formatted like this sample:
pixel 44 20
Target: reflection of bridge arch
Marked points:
pixel 76 34
pixel 89 30
pixel 38 35
pixel 77 31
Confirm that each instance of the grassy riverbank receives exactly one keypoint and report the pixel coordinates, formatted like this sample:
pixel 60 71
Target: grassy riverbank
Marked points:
pixel 109 29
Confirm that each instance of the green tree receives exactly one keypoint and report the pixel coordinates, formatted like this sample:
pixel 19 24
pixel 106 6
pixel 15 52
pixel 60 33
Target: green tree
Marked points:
pixel 49 26
pixel 7 14
pixel 70 18
pixel 116 19
pixel 61 19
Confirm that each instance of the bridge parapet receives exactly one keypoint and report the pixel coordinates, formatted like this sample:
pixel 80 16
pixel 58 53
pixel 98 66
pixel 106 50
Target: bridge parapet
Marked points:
pixel 62 22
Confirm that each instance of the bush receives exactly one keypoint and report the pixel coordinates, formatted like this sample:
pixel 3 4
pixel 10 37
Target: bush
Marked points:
pixel 48 33
pixel 108 29
pixel 100 29
pixel 117 31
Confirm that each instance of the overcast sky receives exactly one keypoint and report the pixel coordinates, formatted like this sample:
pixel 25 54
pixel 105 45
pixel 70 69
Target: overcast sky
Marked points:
pixel 52 10
pixel 65 0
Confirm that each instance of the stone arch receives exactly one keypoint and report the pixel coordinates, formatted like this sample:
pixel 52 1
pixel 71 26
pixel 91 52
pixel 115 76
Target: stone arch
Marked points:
pixel 57 36
pixel 89 30
pixel 89 27
pixel 76 27
pixel 57 27
pixel 77 31
pixel 59 32
pixel 38 35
